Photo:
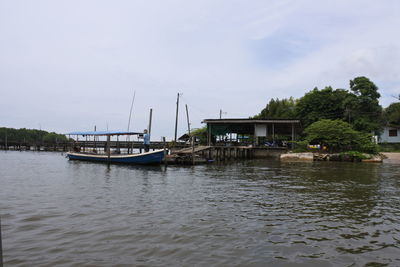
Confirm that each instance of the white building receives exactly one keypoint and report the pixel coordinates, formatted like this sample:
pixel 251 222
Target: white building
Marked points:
pixel 390 134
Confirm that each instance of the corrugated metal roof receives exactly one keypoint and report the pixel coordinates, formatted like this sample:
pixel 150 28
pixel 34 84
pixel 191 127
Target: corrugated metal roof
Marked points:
pixel 250 121
pixel 104 133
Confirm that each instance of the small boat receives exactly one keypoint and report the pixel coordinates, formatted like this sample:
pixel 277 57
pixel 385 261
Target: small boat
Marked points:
pixel 151 157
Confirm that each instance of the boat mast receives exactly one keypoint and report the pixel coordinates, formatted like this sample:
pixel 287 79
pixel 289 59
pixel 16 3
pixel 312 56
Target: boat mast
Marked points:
pixel 130 112
pixel 177 111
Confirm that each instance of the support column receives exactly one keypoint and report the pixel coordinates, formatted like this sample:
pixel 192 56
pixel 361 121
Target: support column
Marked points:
pixel 292 135
pixel 209 134
pixel 255 135
pixel 273 132
pixel 108 150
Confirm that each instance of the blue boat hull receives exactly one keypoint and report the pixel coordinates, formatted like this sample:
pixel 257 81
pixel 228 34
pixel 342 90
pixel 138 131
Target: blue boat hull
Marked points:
pixel 154 157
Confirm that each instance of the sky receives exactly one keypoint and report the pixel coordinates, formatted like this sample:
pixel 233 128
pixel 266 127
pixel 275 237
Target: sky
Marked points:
pixel 75 64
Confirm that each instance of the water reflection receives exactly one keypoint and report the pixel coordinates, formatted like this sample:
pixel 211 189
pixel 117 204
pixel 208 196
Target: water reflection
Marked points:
pixel 260 213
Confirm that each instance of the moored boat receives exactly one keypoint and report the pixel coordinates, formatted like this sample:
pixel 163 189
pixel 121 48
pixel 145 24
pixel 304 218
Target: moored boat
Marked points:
pixel 151 157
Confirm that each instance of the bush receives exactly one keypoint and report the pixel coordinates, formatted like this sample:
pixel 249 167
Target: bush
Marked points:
pixel 353 156
pixel 389 147
pixel 339 136
pixel 201 134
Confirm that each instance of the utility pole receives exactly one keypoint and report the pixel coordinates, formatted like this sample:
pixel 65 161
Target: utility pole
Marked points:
pixel 220 114
pixel 187 116
pixel 151 115
pixel 176 120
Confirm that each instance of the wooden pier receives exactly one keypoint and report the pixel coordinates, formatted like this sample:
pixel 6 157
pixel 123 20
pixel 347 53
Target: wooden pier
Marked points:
pixel 179 153
pixel 205 154
pixel 83 145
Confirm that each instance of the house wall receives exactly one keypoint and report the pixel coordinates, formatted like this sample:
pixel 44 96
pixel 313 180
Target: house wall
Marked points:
pixel 261 130
pixel 385 138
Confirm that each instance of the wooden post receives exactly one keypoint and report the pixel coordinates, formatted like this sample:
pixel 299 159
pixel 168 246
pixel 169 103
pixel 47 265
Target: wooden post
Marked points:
pixel 176 119
pixel 188 122
pixel 118 147
pixel 150 118
pixel 292 135
pixel 165 151
pixel 192 151
pixel 255 142
pixel 84 143
pixel 108 148
pixel 208 135
pixel 273 132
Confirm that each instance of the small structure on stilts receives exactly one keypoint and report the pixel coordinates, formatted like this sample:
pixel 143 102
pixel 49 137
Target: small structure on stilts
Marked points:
pixel 231 139
pixel 250 138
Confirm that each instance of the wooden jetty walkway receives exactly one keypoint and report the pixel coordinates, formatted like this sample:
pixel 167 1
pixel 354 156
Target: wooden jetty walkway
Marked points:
pixel 204 154
pixel 179 153
pixel 66 146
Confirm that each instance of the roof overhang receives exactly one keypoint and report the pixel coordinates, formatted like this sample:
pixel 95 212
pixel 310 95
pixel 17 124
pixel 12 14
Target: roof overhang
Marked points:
pixel 249 121
pixel 103 133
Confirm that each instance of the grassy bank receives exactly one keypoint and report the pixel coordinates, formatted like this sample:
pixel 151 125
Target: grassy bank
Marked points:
pixel 389 147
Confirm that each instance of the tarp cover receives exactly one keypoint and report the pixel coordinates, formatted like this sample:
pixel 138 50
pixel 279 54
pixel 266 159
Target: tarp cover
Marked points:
pixel 97 133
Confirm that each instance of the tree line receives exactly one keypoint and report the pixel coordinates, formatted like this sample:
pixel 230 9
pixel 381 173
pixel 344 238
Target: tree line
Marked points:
pixel 342 119
pixel 29 136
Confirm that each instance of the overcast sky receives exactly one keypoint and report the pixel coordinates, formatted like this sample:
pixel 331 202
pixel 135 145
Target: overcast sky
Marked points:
pixel 70 65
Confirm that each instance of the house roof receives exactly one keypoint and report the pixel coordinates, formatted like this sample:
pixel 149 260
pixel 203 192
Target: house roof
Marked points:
pixel 251 121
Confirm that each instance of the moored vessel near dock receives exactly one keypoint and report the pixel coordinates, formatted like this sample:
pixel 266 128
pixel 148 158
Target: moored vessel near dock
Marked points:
pixel 95 154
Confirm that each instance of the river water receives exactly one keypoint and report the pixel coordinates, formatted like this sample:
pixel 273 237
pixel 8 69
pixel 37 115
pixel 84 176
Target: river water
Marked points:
pixel 56 212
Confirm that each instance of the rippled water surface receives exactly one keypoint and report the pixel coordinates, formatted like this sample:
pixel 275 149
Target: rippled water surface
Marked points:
pixel 253 213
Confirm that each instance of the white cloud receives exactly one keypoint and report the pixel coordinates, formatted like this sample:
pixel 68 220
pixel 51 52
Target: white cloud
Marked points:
pixel 73 64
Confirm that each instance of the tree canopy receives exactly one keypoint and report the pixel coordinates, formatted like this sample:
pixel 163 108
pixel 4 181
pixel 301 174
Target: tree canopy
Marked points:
pixel 322 104
pixel 278 109
pixel 359 106
pixel 200 133
pixel 392 114
pixel 339 136
pixel 29 135
pixel 364 110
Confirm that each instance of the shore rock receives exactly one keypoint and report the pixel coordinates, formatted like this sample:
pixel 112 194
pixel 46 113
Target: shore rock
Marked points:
pixel 297 157
pixel 328 157
pixel 375 158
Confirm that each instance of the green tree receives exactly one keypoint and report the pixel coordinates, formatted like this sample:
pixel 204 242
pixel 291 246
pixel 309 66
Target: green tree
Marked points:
pixel 322 104
pixel 365 113
pixel 29 135
pixel 278 109
pixel 339 136
pixel 391 114
pixel 54 137
pixel 200 133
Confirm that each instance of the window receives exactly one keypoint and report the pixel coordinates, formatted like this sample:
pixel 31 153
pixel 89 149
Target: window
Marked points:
pixel 393 132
